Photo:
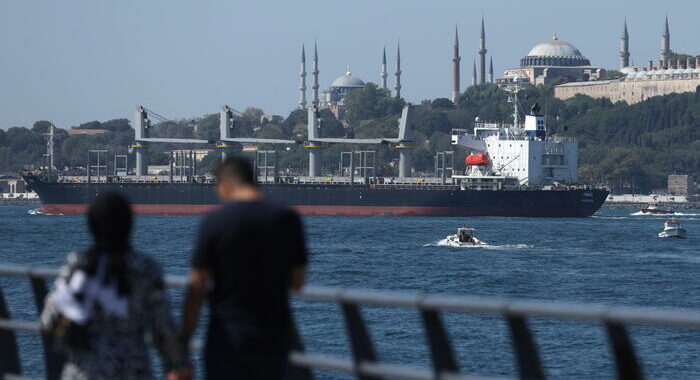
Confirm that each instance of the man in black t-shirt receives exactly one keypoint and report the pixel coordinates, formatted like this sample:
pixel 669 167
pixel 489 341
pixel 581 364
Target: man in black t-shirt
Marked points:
pixel 253 252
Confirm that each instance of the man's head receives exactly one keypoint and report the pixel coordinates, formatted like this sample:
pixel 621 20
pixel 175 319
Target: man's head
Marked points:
pixel 235 180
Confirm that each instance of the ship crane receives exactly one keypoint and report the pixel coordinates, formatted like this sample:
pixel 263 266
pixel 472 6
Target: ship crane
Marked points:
pixel 403 142
pixel 142 125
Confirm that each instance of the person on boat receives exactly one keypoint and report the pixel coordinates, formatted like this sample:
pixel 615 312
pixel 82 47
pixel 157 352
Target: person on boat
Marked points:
pixel 106 300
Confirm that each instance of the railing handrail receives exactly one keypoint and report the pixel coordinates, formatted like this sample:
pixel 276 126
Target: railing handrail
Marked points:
pixel 678 317
pixel 364 363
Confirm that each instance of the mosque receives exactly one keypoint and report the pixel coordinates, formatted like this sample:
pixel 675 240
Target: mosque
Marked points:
pixel 333 98
pixel 545 62
pixel 551 60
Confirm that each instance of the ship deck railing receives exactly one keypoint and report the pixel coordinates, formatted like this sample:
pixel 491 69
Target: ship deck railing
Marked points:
pixel 364 363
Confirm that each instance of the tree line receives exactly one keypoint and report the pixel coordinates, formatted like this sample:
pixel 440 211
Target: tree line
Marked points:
pixel 626 147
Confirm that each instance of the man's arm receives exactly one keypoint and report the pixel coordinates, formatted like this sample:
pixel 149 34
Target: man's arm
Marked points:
pixel 196 292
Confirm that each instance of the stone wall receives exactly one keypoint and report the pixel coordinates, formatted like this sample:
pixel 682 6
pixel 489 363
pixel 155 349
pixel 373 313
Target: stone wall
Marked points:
pixel 630 91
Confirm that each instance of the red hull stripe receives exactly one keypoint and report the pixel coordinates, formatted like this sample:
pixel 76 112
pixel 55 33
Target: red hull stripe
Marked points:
pixel 175 209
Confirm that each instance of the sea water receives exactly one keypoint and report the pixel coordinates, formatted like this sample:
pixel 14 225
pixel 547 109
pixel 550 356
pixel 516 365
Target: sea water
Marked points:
pixel 614 257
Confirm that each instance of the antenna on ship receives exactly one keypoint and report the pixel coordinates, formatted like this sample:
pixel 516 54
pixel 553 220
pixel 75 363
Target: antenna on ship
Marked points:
pixel 513 91
pixel 49 147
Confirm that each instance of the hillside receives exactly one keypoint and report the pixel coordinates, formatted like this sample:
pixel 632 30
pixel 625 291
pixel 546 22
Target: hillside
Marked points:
pixel 620 145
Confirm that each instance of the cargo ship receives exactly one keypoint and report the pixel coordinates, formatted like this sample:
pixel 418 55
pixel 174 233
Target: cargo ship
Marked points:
pixel 513 170
pixel 330 199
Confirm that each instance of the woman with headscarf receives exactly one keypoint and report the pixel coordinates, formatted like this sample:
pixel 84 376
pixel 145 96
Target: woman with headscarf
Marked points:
pixel 107 299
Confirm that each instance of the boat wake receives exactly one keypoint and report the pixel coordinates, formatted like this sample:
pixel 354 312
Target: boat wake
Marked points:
pixel 444 243
pixel 37 211
pixel 639 213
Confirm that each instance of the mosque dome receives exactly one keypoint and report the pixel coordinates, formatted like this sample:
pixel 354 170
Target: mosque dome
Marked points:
pixel 348 80
pixel 554 52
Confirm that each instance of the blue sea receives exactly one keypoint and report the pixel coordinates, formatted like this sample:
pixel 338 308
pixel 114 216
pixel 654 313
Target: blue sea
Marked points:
pixel 614 257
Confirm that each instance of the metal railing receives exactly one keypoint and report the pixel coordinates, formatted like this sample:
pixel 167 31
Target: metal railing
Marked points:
pixel 364 363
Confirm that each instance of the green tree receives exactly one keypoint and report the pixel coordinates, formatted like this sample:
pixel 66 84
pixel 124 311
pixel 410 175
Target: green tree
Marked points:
pixel 370 102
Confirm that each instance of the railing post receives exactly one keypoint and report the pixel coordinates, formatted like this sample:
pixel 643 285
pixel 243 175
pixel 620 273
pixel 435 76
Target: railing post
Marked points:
pixel 525 349
pixel 53 360
pixel 626 363
pixel 360 342
pixel 296 345
pixel 440 348
pixel 9 352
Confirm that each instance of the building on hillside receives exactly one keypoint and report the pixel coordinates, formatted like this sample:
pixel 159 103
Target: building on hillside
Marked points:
pixel 551 60
pixel 333 97
pixel 681 185
pixel 12 185
pixel 641 83
pixel 79 131
pixel 635 87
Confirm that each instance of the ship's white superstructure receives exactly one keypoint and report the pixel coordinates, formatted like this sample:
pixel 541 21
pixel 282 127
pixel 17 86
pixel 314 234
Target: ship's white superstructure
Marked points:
pixel 526 151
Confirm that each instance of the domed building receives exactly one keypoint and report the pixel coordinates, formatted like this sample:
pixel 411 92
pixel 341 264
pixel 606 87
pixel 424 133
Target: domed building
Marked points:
pixel 333 97
pixel 341 86
pixel 551 60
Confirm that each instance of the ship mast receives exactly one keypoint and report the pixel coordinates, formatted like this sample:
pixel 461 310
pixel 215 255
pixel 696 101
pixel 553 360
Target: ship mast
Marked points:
pixel 50 147
pixel 513 98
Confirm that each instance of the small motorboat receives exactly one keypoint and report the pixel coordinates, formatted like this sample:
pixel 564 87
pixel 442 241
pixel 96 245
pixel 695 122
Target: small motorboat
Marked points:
pixel 464 237
pixel 673 229
pixel 655 210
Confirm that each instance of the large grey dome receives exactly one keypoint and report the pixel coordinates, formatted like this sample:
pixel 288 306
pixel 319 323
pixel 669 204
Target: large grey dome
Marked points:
pixel 555 48
pixel 348 80
pixel 554 52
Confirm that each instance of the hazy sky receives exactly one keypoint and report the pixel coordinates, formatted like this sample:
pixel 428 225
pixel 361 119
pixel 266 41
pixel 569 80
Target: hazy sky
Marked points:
pixel 72 61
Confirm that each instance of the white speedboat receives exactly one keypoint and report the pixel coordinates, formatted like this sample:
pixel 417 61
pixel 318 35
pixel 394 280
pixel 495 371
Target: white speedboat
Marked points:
pixel 654 209
pixel 672 229
pixel 464 237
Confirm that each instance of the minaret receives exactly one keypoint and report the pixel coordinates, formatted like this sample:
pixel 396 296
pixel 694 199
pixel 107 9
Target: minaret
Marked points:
pixel 665 42
pixel 491 69
pixel 397 74
pixel 314 87
pixel 455 68
pixel 625 48
pixel 474 73
pixel 383 74
pixel 482 54
pixel 302 80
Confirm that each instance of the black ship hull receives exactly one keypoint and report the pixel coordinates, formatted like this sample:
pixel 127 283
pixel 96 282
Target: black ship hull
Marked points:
pixel 330 199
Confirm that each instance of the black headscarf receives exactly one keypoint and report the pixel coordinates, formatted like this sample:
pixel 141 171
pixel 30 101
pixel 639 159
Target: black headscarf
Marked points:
pixel 110 219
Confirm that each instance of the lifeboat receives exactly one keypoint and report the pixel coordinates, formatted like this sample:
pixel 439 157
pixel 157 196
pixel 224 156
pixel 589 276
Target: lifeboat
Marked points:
pixel 479 159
